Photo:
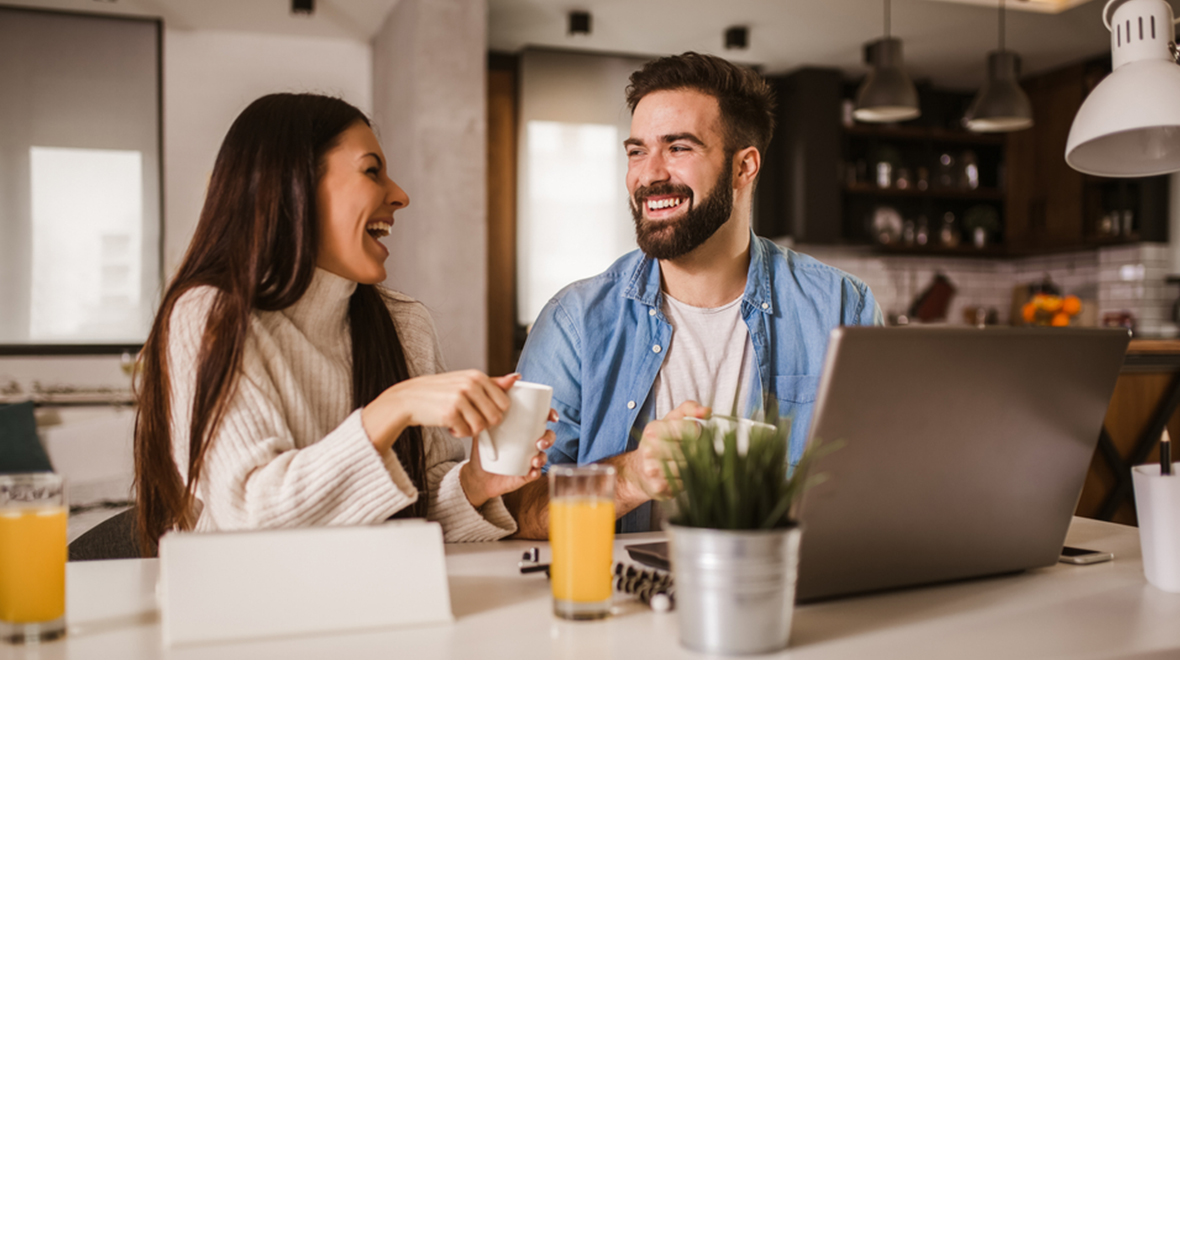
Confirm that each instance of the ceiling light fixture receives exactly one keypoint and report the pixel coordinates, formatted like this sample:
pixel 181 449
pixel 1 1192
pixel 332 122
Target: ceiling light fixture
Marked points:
pixel 1001 106
pixel 887 95
pixel 1129 124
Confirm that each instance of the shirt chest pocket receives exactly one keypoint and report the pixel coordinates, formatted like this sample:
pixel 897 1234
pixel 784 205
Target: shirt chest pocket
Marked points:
pixel 794 398
pixel 795 391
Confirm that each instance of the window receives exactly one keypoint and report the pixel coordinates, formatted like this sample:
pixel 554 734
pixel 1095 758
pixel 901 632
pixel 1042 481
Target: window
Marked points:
pixel 574 192
pixel 79 178
pixel 573 217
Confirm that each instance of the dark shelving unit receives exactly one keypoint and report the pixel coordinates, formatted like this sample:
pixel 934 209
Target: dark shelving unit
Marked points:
pixel 818 179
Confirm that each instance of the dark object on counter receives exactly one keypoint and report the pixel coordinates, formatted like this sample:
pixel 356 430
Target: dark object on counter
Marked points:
pixel 113 539
pixel 930 305
pixel 1046 286
pixel 1165 452
pixel 1119 318
pixel 646 585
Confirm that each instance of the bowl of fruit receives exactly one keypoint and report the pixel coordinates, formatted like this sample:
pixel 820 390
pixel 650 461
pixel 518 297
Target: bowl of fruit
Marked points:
pixel 1050 310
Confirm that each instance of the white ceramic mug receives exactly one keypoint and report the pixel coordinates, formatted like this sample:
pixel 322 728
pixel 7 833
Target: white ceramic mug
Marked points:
pixel 508 448
pixel 721 425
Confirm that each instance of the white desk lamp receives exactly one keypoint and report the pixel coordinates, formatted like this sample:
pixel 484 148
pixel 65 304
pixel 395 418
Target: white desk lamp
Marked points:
pixel 1129 125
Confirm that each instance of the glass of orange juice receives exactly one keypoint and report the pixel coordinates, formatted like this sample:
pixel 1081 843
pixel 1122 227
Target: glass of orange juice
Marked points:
pixel 582 539
pixel 32 557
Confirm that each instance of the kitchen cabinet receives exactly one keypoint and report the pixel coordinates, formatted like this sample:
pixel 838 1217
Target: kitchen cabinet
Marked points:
pixel 798 192
pixel 1044 203
pixel 819 182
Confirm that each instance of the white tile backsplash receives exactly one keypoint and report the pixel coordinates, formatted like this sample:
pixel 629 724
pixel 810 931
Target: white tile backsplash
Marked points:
pixel 1092 275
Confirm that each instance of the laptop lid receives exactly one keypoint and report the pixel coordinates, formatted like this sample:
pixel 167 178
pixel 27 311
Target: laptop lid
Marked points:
pixel 963 452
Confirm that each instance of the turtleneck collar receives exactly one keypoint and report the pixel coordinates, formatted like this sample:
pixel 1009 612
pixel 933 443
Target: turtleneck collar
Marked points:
pixel 321 314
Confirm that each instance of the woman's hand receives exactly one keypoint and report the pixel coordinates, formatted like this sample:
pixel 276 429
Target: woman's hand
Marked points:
pixel 465 402
pixel 480 486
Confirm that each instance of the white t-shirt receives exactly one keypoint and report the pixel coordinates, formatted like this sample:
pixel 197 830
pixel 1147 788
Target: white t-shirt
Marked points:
pixel 710 359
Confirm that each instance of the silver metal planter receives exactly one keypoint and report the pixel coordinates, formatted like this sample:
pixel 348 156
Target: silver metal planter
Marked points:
pixel 735 590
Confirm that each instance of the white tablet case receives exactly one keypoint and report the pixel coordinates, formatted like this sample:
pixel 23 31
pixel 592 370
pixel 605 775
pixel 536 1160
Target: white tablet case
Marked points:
pixel 283 583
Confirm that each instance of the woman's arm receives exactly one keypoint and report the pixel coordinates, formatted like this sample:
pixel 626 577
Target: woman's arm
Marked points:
pixel 463 402
pixel 255 475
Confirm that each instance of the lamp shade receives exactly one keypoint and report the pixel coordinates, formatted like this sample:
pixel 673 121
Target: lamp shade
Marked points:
pixel 1001 106
pixel 1129 124
pixel 887 95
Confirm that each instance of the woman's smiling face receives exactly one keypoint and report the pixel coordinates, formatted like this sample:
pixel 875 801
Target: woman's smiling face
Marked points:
pixel 355 202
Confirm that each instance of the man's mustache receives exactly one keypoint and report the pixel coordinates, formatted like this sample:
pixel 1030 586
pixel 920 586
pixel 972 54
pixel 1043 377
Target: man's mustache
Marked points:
pixel 667 190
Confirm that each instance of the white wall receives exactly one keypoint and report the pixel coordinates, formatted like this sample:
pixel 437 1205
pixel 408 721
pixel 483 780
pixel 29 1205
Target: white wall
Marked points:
pixel 1174 225
pixel 210 76
pixel 430 107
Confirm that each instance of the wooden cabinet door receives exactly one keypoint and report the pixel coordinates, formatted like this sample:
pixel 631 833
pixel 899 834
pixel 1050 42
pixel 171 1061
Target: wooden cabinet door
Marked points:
pixel 1044 194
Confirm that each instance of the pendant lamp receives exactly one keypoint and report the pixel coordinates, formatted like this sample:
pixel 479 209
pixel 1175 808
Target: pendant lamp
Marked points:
pixel 1129 124
pixel 1001 106
pixel 887 95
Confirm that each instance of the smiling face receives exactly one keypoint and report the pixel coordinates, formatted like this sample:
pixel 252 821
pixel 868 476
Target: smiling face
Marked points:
pixel 355 202
pixel 680 176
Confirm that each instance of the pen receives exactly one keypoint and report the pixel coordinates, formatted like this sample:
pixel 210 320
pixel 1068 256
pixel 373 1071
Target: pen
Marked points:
pixel 1165 452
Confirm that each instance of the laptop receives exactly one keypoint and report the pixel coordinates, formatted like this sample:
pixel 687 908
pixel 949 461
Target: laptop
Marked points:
pixel 962 452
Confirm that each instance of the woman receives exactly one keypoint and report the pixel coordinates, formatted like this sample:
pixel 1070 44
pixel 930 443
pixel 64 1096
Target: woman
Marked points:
pixel 280 386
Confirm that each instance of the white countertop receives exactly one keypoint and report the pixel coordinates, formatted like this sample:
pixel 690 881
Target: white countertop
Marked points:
pixel 1101 611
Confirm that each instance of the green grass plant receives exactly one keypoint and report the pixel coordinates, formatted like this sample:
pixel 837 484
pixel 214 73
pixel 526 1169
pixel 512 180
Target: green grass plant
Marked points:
pixel 713 485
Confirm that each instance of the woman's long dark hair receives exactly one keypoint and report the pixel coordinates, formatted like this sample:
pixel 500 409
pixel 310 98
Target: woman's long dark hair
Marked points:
pixel 256 243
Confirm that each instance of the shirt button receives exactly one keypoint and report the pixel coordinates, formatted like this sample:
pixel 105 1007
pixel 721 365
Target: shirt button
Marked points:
pixel 655 348
pixel 630 404
pixel 652 313
pixel 766 305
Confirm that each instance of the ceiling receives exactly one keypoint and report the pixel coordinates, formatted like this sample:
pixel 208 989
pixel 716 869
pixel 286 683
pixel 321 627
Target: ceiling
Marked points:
pixel 945 40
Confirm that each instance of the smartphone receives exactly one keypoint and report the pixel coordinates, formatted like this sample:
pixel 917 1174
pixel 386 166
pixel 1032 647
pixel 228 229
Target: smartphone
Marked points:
pixel 1079 555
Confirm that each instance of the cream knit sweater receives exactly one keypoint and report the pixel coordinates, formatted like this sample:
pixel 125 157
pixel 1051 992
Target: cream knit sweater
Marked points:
pixel 290 449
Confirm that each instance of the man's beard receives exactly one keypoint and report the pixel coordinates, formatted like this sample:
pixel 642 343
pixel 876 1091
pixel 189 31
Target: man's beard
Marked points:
pixel 678 237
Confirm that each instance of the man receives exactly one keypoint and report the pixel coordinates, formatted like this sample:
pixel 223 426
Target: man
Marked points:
pixel 705 314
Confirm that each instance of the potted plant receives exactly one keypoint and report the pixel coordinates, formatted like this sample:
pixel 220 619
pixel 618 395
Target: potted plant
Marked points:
pixel 734 540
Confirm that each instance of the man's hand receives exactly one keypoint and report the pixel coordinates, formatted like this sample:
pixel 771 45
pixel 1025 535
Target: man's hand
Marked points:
pixel 642 474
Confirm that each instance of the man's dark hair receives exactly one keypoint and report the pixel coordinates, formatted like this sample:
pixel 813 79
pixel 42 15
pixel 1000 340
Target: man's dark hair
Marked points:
pixel 745 97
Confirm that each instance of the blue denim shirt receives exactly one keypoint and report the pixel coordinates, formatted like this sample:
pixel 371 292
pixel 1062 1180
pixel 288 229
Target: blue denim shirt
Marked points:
pixel 601 342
